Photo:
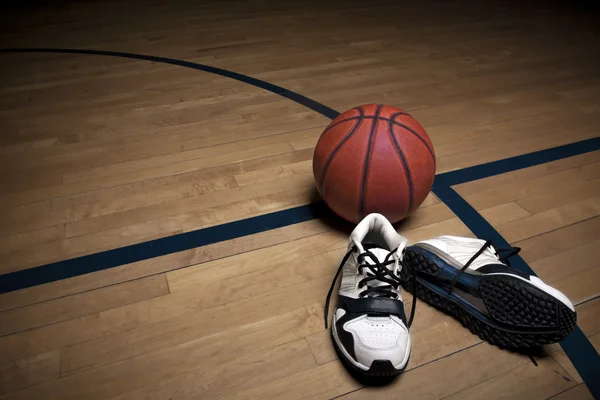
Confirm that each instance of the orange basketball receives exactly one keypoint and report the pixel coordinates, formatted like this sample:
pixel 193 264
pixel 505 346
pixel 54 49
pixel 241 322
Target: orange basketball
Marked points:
pixel 374 158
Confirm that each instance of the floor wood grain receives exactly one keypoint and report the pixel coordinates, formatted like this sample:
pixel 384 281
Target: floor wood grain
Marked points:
pixel 97 153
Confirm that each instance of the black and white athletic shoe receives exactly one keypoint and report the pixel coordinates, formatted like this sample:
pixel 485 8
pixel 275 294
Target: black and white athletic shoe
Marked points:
pixel 470 280
pixel 369 326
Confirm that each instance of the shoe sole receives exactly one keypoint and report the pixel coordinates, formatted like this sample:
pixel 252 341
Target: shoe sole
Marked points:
pixel 520 314
pixel 379 368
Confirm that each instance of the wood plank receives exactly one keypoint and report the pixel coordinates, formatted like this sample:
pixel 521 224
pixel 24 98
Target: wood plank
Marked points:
pixel 327 381
pixel 140 315
pixel 489 105
pixel 214 160
pixel 453 226
pixel 561 358
pixel 424 216
pixel 189 206
pixel 430 200
pixel 109 151
pixel 505 213
pixel 451 372
pixel 153 229
pixel 81 304
pixel 279 266
pixel 584 91
pixel 587 317
pixel 321 347
pixel 529 381
pixel 581 286
pixel 505 149
pixel 560 240
pixel 157 265
pixel 561 196
pixel 231 376
pixel 175 330
pixel 212 157
pixel 331 380
pixel 29 371
pixel 202 353
pixel 495 195
pixel 527 174
pixel 123 198
pixel 579 392
pixel 23 240
pixel 296 118
pixel 266 175
pixel 554 267
pixel 549 220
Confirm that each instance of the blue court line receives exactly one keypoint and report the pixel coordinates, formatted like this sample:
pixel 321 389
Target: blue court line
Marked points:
pixel 519 162
pixel 185 241
pixel 298 98
pixel 159 247
pixel 578 348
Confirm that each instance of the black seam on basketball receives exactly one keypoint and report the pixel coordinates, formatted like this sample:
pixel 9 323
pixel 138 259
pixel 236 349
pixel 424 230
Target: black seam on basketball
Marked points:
pixel 337 148
pixel 363 117
pixel 398 113
pixel 345 119
pixel 340 122
pixel 363 187
pixel 404 163
pixel 418 136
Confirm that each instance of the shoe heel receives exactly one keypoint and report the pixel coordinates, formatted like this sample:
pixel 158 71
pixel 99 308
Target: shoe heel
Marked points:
pixel 516 303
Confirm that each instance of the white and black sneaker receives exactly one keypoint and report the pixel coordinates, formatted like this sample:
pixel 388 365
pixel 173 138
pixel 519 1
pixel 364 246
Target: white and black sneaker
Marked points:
pixel 369 326
pixel 470 280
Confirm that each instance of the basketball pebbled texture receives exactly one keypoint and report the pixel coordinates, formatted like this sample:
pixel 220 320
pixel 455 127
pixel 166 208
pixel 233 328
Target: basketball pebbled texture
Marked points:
pixel 374 158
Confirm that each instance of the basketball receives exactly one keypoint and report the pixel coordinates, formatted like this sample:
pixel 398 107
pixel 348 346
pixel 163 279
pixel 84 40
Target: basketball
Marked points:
pixel 374 159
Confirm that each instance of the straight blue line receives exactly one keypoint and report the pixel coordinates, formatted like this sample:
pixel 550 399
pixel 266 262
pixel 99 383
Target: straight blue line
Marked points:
pixel 155 248
pixel 519 162
pixel 171 244
pixel 578 348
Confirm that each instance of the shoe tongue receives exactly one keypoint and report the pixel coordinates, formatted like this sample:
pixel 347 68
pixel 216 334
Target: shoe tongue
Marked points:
pixel 376 228
pixel 380 253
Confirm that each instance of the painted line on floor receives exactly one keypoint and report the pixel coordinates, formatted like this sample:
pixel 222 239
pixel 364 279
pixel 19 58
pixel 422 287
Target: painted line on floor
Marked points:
pixel 296 97
pixel 578 348
pixel 73 267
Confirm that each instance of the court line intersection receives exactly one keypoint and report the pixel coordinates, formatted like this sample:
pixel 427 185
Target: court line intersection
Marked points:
pixel 578 348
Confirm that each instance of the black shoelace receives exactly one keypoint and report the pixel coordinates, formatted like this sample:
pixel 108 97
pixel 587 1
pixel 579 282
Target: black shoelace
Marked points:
pixel 511 251
pixel 378 271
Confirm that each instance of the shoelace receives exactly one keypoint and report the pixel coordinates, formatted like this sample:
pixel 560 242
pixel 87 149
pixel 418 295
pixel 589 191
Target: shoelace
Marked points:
pixel 511 252
pixel 377 271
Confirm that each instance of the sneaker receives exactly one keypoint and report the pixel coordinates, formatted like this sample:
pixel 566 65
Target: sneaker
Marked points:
pixel 369 326
pixel 470 280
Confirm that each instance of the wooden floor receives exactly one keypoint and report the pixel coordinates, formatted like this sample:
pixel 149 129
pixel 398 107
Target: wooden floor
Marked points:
pixel 99 152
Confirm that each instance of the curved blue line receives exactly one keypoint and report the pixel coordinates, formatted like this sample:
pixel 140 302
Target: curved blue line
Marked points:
pixel 577 347
pixel 288 94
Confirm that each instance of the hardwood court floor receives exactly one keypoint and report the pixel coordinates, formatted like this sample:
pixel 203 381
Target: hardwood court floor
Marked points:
pixel 97 153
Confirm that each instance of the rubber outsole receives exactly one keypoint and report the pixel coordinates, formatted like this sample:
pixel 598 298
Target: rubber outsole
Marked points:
pixel 379 368
pixel 519 314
